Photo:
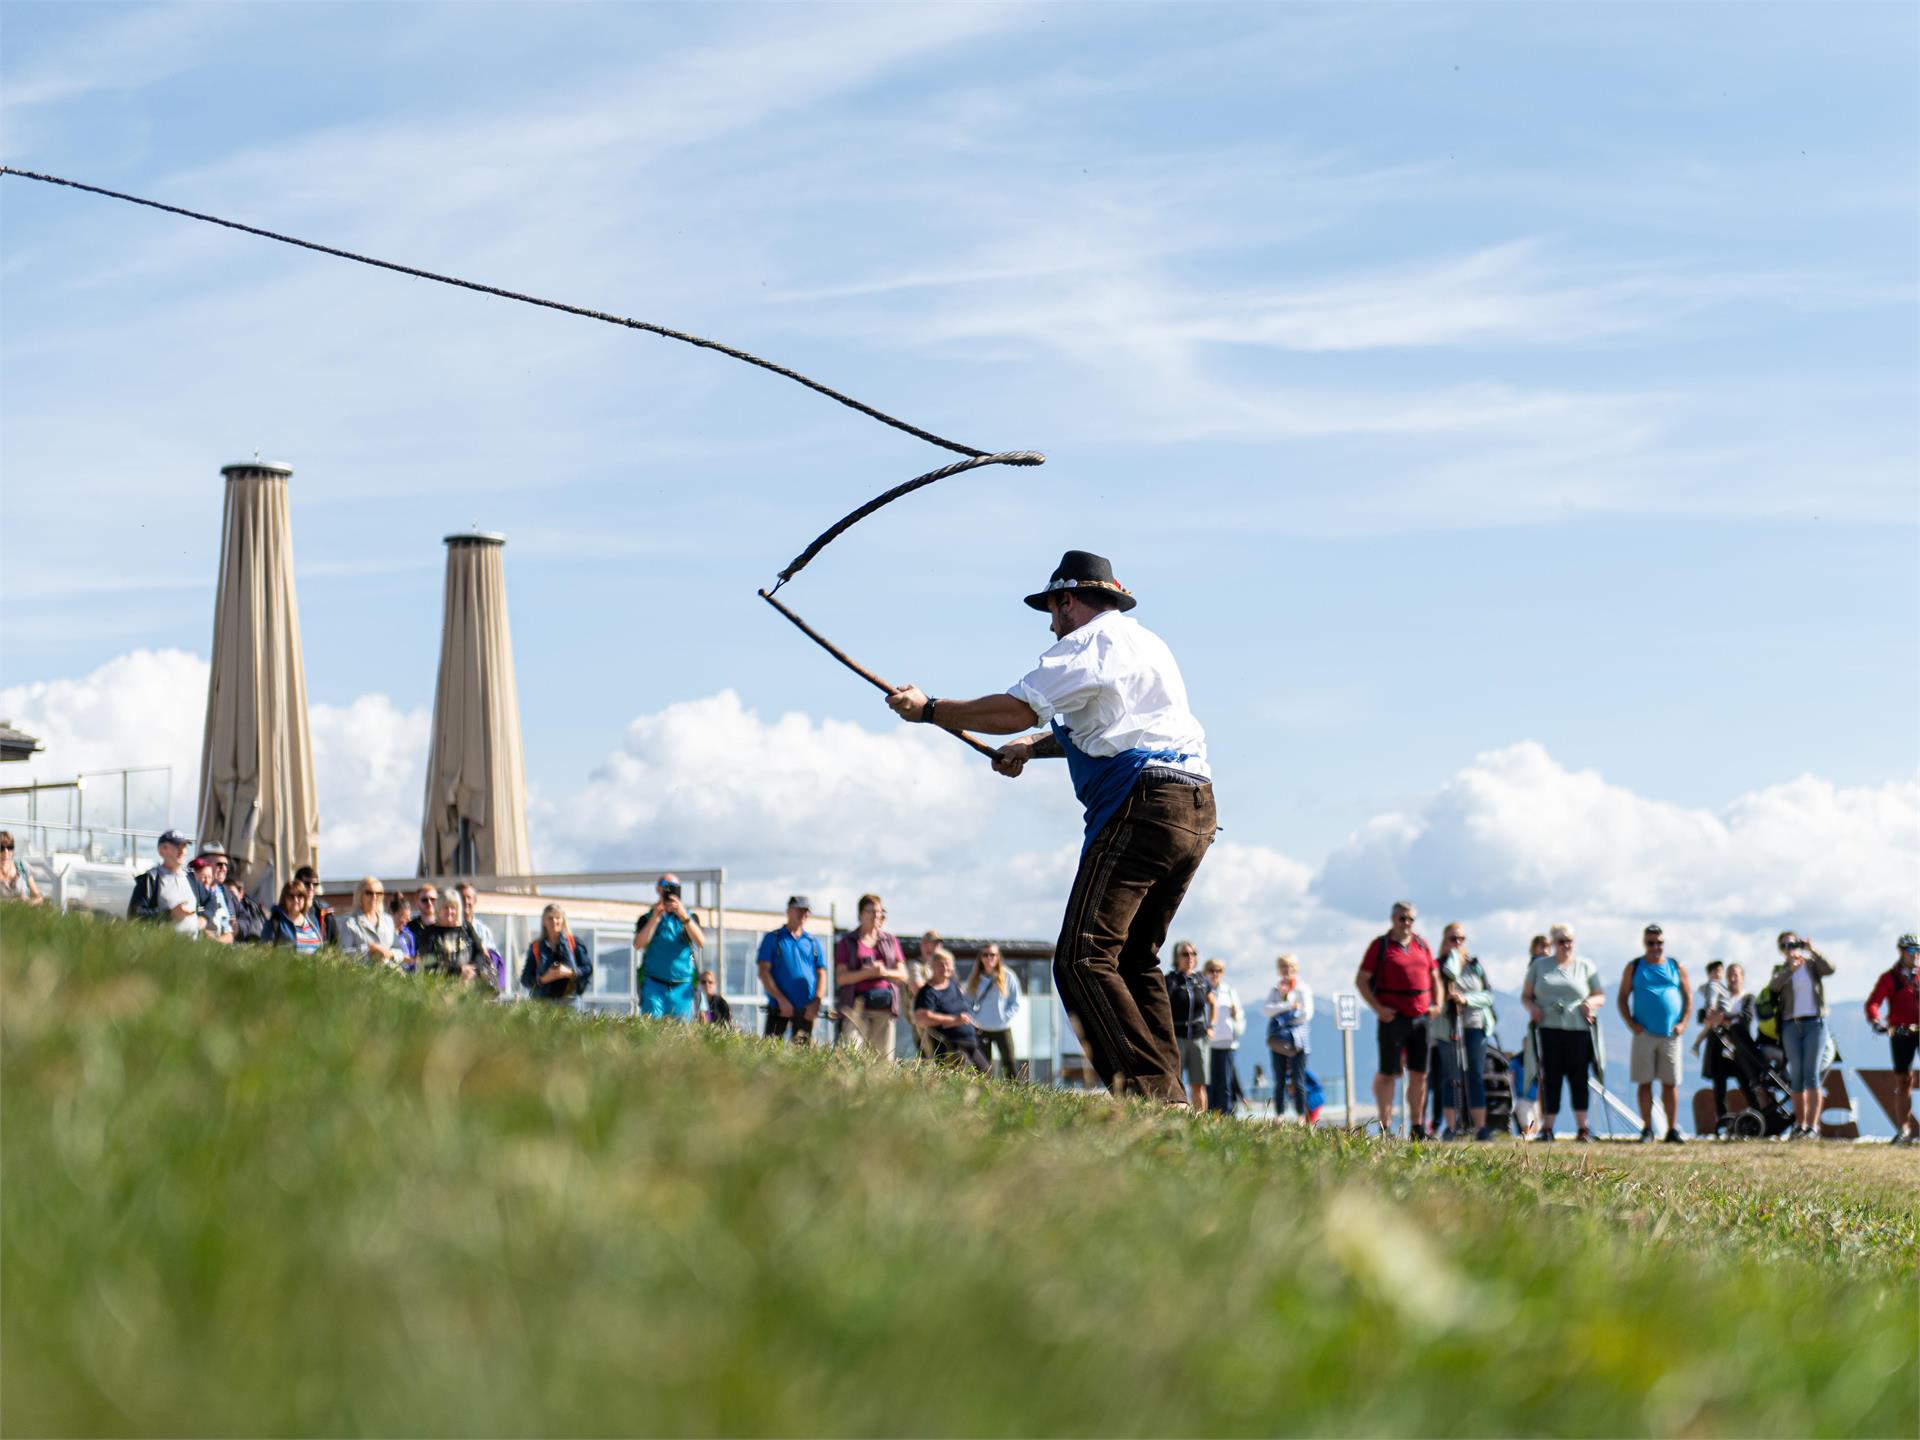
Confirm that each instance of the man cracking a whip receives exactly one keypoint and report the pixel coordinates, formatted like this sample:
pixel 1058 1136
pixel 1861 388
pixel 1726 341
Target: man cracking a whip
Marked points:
pixel 1116 707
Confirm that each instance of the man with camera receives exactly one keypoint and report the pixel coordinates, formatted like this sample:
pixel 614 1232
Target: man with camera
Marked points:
pixel 663 946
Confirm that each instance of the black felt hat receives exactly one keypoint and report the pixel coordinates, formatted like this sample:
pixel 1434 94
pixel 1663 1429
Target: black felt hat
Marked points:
pixel 1083 570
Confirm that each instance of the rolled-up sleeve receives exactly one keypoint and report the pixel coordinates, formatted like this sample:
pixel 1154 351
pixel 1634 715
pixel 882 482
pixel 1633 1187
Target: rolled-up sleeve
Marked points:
pixel 1058 683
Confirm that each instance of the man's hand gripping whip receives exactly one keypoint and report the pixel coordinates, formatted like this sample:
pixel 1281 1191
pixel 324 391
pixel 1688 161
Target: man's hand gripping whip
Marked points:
pixel 973 461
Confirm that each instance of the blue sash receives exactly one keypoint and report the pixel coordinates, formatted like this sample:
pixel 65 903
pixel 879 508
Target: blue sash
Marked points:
pixel 1103 783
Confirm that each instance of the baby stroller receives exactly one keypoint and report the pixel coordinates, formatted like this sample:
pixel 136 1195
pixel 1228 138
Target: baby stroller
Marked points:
pixel 1498 1077
pixel 1769 1109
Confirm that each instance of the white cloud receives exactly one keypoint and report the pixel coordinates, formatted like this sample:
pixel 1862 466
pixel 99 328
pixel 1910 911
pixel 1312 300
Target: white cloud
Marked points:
pixel 148 708
pixel 1518 841
pixel 1512 842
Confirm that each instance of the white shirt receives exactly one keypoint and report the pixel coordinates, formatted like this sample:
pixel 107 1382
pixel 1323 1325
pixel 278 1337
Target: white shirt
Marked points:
pixel 1115 687
pixel 356 931
pixel 177 889
pixel 1226 1030
pixel 1276 1003
pixel 1803 1006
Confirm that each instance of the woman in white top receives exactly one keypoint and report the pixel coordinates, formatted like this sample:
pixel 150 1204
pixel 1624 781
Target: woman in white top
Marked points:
pixel 1225 1022
pixel 995 992
pixel 368 932
pixel 1289 1011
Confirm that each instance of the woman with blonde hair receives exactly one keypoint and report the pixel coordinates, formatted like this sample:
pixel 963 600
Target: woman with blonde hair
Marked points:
pixel 1563 995
pixel 557 967
pixel 1289 1011
pixel 995 992
pixel 1225 1023
pixel 368 932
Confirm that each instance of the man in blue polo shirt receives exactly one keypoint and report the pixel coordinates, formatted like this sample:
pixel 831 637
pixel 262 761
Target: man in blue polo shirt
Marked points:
pixel 663 944
pixel 793 972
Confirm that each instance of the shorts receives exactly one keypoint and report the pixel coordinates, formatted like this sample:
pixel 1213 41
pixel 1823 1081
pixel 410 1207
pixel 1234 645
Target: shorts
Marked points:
pixel 660 1001
pixel 1193 1059
pixel 1403 1036
pixel 1656 1057
pixel 1905 1043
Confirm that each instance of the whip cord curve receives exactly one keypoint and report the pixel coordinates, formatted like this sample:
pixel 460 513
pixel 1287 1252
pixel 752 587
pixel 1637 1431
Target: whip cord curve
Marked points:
pixel 974 458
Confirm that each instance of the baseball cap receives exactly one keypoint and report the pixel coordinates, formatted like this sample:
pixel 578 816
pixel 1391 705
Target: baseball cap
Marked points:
pixel 800 902
pixel 173 837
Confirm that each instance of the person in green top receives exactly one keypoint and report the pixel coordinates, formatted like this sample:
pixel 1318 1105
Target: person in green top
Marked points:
pixel 1563 995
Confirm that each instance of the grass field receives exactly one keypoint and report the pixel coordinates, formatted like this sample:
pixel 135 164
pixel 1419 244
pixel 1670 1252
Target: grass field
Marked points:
pixel 243 1193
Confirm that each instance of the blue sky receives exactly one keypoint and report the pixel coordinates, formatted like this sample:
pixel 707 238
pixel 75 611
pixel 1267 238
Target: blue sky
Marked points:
pixel 1445 380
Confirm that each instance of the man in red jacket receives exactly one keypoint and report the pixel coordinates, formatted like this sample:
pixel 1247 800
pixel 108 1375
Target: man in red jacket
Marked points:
pixel 1899 992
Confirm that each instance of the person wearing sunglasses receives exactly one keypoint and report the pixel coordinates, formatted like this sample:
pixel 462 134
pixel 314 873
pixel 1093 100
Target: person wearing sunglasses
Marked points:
pixel 16 881
pixel 368 932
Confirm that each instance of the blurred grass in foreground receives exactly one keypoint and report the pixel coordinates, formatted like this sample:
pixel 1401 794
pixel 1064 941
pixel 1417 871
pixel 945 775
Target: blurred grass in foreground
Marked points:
pixel 244 1193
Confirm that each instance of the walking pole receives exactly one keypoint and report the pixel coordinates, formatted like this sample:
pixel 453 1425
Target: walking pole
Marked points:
pixel 1600 1069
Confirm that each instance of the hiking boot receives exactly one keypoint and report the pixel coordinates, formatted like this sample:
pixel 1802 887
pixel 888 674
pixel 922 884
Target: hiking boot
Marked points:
pixel 1545 1137
pixel 1646 1135
pixel 1674 1137
pixel 1484 1133
pixel 1583 1136
pixel 1417 1133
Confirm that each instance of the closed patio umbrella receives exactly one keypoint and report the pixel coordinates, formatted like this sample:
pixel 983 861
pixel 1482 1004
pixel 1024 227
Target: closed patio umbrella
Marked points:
pixel 257 794
pixel 475 817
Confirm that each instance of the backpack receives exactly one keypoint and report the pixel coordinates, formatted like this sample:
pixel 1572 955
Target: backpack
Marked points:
pixel 1766 1013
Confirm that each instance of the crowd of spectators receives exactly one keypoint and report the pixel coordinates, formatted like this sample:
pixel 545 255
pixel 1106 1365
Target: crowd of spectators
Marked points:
pixel 1434 1014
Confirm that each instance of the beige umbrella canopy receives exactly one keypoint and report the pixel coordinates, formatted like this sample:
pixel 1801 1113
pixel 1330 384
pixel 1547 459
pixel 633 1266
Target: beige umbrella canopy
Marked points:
pixel 256 761
pixel 475 820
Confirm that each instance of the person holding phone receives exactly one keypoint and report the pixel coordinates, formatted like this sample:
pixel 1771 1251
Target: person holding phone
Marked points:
pixel 1803 1026
pixel 664 943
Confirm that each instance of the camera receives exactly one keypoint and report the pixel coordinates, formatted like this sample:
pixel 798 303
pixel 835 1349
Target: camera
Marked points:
pixel 670 891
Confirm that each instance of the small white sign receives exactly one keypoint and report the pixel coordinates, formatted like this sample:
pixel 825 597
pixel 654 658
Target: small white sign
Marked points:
pixel 1346 1009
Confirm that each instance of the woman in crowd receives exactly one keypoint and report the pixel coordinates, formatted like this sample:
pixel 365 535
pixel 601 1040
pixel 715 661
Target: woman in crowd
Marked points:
pixel 1563 995
pixel 942 1008
pixel 1289 1011
pixel 869 972
pixel 1803 1026
pixel 291 924
pixel 557 967
pixel 1460 1032
pixel 713 1006
pixel 368 931
pixel 16 881
pixel 1225 1022
pixel 451 947
pixel 995 992
pixel 400 907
